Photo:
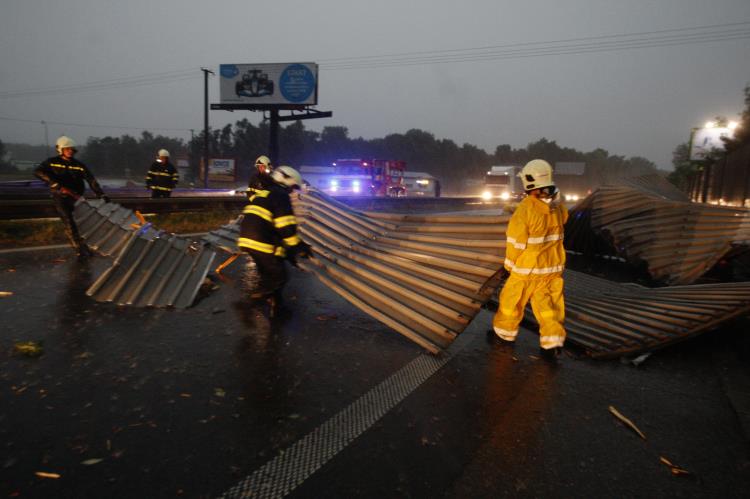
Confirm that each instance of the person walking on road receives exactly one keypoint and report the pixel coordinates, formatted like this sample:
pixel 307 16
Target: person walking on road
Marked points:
pixel 162 177
pixel 534 262
pixel 65 175
pixel 268 233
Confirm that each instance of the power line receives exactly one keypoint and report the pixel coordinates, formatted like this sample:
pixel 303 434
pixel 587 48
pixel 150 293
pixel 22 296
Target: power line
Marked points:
pixel 519 50
pixel 158 78
pixel 5 118
pixel 582 47
pixel 548 42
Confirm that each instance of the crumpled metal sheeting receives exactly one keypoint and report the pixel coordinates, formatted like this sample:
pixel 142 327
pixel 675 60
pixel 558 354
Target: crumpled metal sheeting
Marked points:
pixel 426 289
pixel 152 268
pixel 225 237
pixel 610 319
pixel 677 240
pixel 106 227
pixel 154 272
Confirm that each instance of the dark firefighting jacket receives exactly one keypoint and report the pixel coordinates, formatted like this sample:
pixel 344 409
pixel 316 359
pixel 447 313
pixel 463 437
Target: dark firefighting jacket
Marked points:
pixel 258 182
pixel 162 177
pixel 59 172
pixel 269 225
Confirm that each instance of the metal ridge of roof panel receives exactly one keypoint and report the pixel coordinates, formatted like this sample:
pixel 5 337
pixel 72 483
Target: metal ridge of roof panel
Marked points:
pixel 610 319
pixel 677 240
pixel 152 268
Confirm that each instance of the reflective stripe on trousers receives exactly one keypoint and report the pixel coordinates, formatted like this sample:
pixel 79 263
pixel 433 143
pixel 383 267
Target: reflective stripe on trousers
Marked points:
pixel 547 303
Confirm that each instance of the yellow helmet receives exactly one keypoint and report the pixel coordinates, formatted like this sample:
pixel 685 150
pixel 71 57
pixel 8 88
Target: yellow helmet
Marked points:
pixel 163 153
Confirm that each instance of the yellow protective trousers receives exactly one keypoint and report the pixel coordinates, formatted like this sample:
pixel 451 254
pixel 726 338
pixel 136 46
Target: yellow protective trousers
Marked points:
pixel 547 303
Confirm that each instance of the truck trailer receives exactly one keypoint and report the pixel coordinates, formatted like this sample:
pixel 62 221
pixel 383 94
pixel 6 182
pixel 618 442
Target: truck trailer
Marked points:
pixel 502 182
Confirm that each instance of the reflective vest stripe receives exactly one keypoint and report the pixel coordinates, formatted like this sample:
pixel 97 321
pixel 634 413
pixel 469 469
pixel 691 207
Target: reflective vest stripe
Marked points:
pixel 259 211
pixel 69 167
pixel 282 222
pixel 157 188
pixel 536 271
pixel 517 245
pixel 244 242
pixel 292 240
pixel 162 174
pixel 544 239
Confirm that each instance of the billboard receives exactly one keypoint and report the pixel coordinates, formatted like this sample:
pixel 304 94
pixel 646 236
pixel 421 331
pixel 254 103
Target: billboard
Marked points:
pixel 221 170
pixel 269 84
pixel 706 139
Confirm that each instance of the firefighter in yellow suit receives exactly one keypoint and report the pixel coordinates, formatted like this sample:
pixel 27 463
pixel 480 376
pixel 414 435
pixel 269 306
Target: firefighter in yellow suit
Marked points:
pixel 534 260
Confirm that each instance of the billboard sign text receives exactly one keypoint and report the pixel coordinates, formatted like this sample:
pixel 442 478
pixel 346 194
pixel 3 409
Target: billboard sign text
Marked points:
pixel 269 84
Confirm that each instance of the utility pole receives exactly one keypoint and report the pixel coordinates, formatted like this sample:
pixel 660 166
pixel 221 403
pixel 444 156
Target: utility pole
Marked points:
pixel 46 137
pixel 273 137
pixel 205 125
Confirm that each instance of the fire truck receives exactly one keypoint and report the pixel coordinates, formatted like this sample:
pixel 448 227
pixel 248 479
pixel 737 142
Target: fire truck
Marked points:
pixel 367 177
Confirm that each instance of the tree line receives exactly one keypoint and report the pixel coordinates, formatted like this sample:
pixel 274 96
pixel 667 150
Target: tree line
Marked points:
pixel 451 163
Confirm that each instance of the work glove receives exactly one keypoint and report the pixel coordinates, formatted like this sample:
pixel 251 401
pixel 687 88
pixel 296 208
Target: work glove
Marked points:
pixel 504 273
pixel 105 198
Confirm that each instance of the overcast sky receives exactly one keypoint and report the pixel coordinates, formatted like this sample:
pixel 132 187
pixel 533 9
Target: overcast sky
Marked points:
pixel 631 101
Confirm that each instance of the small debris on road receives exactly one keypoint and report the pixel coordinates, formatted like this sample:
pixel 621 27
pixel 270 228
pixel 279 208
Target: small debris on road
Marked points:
pixel 676 470
pixel 627 422
pixel 29 348
pixel 44 474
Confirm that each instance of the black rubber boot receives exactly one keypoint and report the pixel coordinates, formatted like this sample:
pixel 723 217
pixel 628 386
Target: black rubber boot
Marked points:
pixel 550 354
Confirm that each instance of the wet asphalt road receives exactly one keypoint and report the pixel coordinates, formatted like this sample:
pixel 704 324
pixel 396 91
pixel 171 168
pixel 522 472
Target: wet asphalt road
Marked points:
pixel 192 403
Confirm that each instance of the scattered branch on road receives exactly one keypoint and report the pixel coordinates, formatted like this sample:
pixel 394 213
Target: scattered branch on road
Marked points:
pixel 627 422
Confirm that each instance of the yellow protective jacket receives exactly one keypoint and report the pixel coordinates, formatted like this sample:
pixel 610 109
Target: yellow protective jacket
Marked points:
pixel 535 239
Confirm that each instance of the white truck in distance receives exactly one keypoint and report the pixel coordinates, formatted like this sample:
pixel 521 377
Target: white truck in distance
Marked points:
pixel 502 182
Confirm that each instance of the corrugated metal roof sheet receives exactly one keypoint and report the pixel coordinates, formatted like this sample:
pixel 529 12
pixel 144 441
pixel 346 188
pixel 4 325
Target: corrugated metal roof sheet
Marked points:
pixel 426 276
pixel 610 319
pixel 152 268
pixel 647 221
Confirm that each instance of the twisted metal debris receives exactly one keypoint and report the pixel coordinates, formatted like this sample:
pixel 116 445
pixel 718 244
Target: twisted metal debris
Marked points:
pixel 424 276
pixel 649 222
pixel 151 268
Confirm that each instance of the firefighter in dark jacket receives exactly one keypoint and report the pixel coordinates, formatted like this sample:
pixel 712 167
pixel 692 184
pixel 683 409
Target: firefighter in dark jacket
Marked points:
pixel 65 175
pixel 162 176
pixel 262 177
pixel 268 232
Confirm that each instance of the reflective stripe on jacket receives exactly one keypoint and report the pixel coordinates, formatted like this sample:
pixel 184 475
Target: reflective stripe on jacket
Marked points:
pixel 67 173
pixel 162 176
pixel 535 239
pixel 269 224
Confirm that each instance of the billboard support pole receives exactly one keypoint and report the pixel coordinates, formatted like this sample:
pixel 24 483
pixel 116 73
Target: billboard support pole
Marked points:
pixel 273 137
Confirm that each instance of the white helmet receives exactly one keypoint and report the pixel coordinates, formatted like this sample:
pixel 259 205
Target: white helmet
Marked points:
pixel 536 174
pixel 263 164
pixel 163 153
pixel 287 176
pixel 64 143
